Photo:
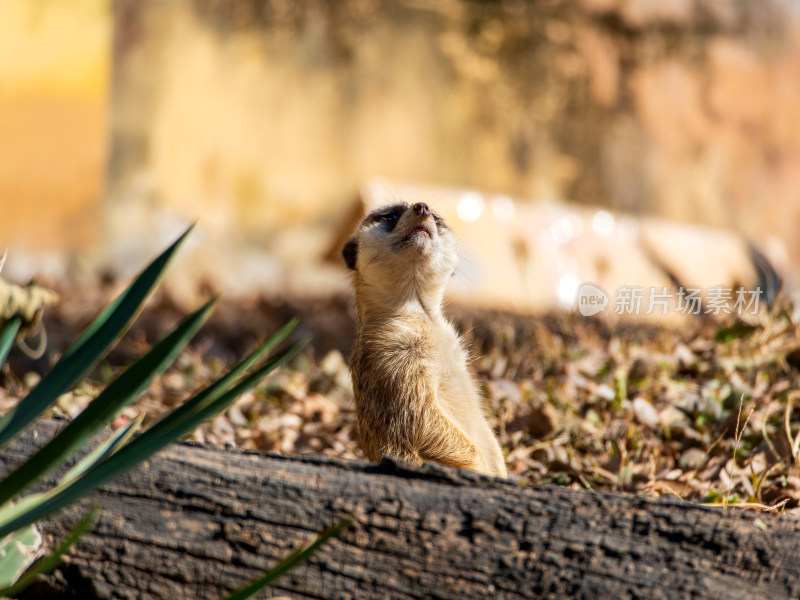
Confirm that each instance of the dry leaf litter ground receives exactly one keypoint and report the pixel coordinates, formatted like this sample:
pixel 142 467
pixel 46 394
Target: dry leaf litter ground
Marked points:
pixel 707 413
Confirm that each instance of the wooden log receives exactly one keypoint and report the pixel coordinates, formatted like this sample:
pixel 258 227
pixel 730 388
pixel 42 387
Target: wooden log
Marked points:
pixel 198 521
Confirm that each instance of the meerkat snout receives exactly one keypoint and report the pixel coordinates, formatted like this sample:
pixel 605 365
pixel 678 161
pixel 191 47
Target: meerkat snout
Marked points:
pixel 421 209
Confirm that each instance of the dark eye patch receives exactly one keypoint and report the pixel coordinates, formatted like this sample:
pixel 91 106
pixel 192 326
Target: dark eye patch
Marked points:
pixel 387 217
pixel 390 220
pixel 350 253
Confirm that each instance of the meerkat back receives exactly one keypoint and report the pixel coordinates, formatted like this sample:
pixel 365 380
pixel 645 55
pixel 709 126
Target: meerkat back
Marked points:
pixel 415 397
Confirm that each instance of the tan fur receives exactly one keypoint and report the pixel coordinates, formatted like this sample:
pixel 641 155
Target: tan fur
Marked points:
pixel 415 397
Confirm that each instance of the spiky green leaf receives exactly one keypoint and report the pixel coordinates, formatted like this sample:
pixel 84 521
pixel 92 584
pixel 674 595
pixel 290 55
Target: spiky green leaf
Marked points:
pixel 142 447
pixel 291 561
pixel 50 561
pixel 89 348
pixel 17 552
pixel 125 388
pixel 114 442
pixel 7 336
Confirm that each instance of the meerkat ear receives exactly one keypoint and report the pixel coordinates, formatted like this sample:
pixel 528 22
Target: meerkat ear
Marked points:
pixel 350 253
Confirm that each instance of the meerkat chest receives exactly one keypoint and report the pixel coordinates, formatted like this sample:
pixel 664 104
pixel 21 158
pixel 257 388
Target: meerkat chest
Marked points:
pixel 455 383
pixel 419 347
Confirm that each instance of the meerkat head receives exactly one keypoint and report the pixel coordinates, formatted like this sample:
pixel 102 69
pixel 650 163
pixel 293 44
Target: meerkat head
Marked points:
pixel 402 249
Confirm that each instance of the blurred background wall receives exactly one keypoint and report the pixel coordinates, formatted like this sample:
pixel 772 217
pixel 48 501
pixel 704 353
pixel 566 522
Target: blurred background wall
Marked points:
pixel 55 60
pixel 259 117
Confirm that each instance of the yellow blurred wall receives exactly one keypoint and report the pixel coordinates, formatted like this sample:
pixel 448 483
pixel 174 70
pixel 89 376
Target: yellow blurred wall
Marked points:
pixel 255 116
pixel 54 81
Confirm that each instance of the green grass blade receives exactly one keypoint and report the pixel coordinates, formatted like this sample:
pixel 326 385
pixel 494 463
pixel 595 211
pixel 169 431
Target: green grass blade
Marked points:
pixel 133 297
pixel 19 551
pixel 292 560
pixel 50 561
pixel 130 384
pixel 85 338
pixel 161 433
pixel 187 417
pixel 216 388
pixel 116 441
pixel 89 348
pixel 138 450
pixel 9 512
pixel 7 337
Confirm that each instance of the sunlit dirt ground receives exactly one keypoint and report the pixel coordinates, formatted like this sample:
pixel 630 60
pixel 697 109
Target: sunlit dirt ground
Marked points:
pixel 704 413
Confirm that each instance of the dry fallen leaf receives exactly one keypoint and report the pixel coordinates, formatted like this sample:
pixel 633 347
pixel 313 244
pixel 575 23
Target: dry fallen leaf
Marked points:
pixel 576 402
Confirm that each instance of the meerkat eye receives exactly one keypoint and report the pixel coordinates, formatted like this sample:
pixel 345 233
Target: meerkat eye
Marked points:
pixel 389 219
pixel 386 218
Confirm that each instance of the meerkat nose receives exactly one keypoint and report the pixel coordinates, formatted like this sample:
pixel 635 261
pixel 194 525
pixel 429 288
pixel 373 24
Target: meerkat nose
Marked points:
pixel 421 209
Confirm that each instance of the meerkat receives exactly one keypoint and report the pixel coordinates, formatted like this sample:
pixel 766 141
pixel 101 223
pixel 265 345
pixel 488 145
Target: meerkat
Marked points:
pixel 415 397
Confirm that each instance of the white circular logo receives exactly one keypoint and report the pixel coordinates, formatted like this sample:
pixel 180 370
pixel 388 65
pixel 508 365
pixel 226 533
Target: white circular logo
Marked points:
pixel 592 299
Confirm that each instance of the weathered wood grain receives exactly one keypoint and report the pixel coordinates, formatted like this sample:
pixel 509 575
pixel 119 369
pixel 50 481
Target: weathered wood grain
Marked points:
pixel 196 522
